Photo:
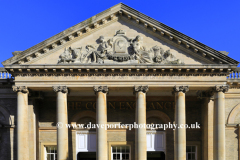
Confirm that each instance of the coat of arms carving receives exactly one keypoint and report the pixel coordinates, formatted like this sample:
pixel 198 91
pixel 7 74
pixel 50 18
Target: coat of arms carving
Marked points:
pixel 119 49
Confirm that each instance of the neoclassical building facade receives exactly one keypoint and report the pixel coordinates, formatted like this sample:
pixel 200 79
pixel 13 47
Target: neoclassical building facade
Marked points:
pixel 120 86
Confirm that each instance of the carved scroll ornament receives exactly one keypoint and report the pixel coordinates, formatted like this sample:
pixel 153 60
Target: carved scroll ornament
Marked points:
pixel 223 88
pixel 143 89
pixel 22 89
pixel 183 89
pixel 62 89
pixel 103 89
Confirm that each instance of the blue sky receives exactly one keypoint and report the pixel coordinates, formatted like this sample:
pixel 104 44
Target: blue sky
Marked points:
pixel 24 23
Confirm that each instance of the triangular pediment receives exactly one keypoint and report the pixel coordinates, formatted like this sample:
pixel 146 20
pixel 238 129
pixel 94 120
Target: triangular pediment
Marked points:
pixel 120 35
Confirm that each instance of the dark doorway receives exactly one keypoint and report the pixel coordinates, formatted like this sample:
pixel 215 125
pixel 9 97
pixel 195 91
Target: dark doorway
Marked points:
pixel 86 156
pixel 155 156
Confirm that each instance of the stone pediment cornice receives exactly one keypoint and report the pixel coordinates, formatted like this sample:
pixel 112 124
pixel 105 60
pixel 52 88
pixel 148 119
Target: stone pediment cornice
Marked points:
pixel 180 70
pixel 123 11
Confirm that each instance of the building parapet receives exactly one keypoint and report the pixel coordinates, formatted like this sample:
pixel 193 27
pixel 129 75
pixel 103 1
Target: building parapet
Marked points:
pixel 4 74
pixel 234 74
pixel 233 79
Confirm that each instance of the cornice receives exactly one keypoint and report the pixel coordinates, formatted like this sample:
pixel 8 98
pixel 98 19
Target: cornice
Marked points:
pixel 100 70
pixel 177 44
pixel 192 70
pixel 176 35
pixel 76 38
pixel 119 10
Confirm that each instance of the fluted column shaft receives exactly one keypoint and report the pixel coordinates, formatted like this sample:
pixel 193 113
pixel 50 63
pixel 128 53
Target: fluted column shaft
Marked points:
pixel 101 119
pixel 180 120
pixel 140 132
pixel 219 123
pixel 62 117
pixel 22 122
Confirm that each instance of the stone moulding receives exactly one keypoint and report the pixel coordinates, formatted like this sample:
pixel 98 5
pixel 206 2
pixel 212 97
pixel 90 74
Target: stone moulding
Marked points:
pixel 122 10
pixel 120 69
pixel 120 75
pixel 233 114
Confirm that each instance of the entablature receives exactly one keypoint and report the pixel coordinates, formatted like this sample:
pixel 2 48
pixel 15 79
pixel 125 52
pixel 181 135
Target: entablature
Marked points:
pixel 120 75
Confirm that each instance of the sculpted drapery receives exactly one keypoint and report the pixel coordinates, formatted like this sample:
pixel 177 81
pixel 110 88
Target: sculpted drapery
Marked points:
pixel 118 49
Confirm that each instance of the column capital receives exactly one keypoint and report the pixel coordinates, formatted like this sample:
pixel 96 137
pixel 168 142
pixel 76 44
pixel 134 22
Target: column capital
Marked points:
pixel 103 89
pixel 205 94
pixel 22 89
pixel 143 89
pixel 223 88
pixel 62 89
pixel 183 89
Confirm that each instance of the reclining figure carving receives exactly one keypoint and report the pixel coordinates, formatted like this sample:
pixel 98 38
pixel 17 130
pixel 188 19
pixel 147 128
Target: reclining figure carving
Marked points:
pixel 116 50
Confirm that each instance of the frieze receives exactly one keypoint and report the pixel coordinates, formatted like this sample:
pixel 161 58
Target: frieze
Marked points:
pixel 118 49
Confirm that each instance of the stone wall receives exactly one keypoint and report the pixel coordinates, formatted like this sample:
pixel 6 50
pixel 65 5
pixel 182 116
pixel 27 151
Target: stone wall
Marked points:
pixel 232 131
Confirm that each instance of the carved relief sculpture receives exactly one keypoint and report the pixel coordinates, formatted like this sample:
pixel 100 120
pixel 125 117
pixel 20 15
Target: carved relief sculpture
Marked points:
pixel 118 49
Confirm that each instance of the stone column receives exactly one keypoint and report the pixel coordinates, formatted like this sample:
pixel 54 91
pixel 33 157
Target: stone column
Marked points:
pixel 62 119
pixel 101 119
pixel 12 143
pixel 22 122
pixel 238 141
pixel 32 129
pixel 180 120
pixel 207 120
pixel 140 132
pixel 219 122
